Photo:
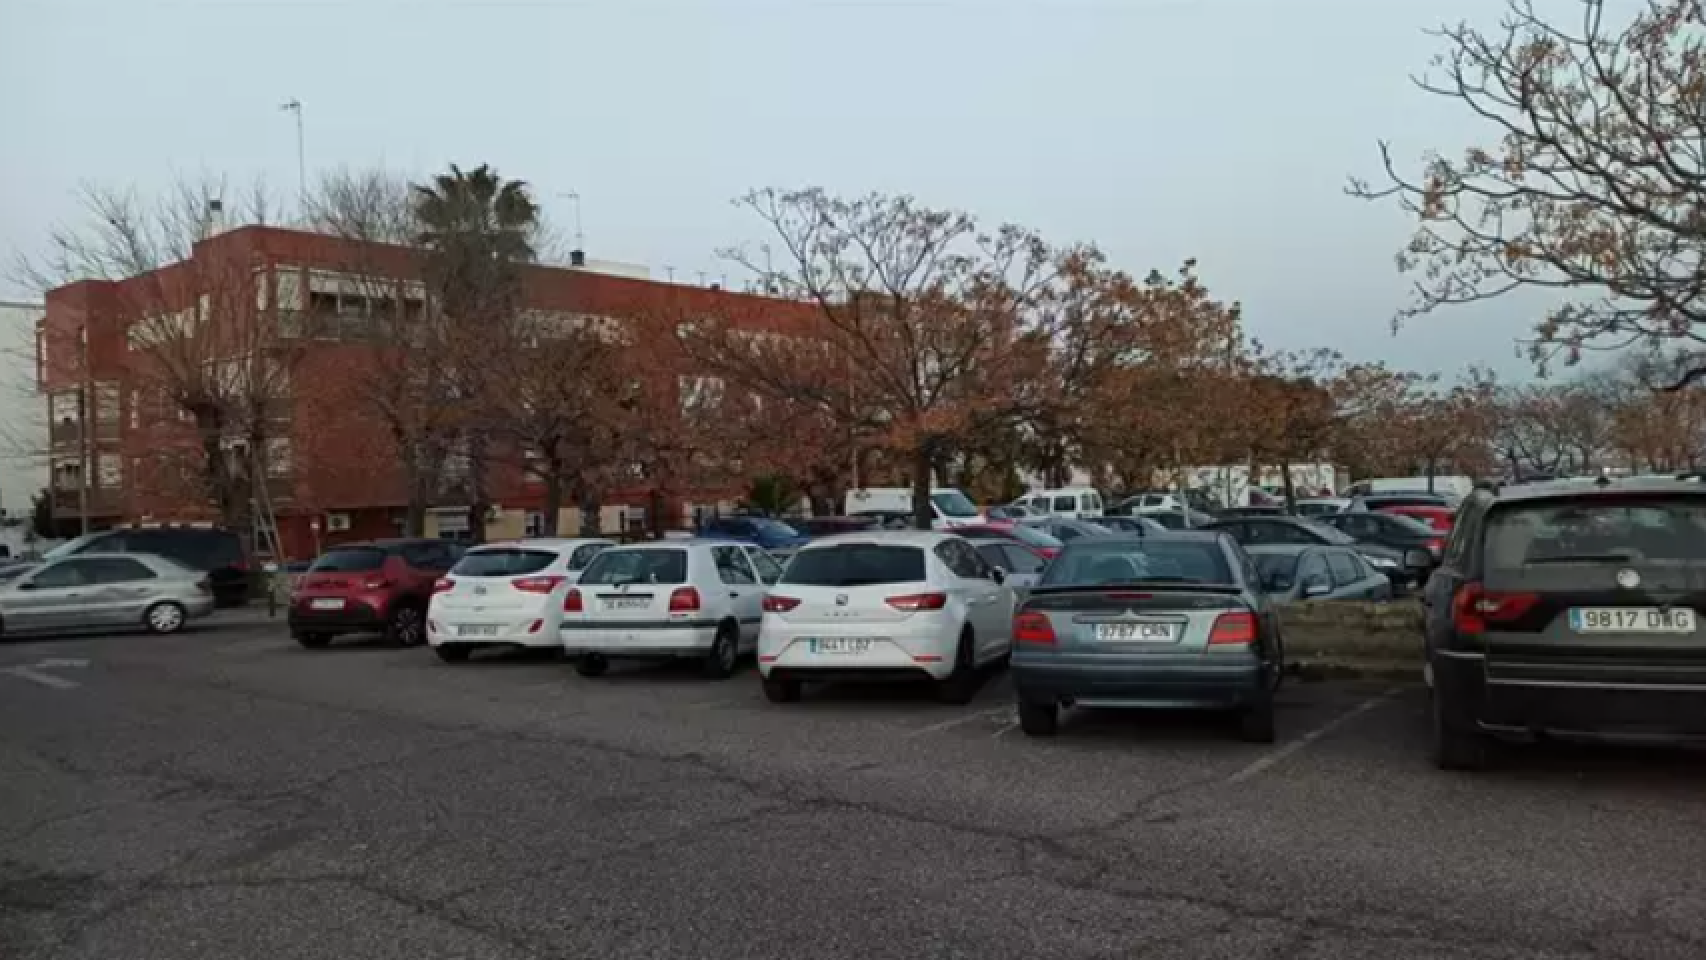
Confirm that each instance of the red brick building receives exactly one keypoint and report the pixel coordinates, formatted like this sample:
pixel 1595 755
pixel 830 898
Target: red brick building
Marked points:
pixel 333 474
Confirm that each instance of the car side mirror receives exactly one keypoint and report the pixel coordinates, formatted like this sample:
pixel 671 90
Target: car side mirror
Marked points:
pixel 1317 588
pixel 998 575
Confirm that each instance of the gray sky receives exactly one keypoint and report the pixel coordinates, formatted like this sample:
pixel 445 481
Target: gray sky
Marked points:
pixel 1159 129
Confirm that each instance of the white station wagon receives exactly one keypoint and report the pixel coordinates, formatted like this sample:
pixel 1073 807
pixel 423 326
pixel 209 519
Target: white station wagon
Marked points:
pixel 673 598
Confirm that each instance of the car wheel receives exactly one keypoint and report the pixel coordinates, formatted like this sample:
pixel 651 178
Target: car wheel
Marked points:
pixel 592 664
pixel 1256 719
pixel 453 652
pixel 1454 748
pixel 1276 671
pixel 779 688
pixel 313 641
pixel 164 618
pixel 406 626
pixel 958 688
pixel 1039 719
pixel 720 663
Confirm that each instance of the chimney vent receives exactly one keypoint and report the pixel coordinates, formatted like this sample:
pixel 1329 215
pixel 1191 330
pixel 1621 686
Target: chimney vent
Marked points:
pixel 577 258
pixel 215 216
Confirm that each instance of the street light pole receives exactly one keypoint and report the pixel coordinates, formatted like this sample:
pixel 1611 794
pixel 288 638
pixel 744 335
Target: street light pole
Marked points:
pixel 84 466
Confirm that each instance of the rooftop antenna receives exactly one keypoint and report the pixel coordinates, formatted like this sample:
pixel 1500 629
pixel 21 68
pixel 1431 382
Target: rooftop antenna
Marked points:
pixel 670 271
pixel 580 235
pixel 294 105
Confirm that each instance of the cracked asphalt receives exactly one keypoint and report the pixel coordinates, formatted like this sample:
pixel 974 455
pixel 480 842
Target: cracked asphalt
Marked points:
pixel 224 794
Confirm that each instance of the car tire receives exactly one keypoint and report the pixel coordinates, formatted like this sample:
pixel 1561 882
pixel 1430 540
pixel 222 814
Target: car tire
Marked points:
pixel 779 688
pixel 1038 719
pixel 720 663
pixel 592 664
pixel 313 641
pixel 406 627
pixel 960 687
pixel 165 617
pixel 1256 719
pixel 453 652
pixel 1455 748
pixel 1276 672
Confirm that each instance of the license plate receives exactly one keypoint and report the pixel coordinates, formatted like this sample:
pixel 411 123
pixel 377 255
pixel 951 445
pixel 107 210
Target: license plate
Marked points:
pixel 326 603
pixel 627 603
pixel 1136 632
pixel 468 630
pixel 842 645
pixel 1631 620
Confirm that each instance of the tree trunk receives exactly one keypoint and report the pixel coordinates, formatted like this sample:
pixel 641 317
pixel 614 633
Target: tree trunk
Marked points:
pixel 1431 463
pixel 923 514
pixel 1285 485
pixel 592 520
pixel 478 502
pixel 553 496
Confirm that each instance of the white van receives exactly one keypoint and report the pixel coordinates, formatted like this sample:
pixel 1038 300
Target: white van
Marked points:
pixel 950 507
pixel 1456 486
pixel 1077 503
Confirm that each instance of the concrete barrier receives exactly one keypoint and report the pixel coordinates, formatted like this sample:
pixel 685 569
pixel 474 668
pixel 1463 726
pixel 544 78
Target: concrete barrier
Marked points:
pixel 1384 637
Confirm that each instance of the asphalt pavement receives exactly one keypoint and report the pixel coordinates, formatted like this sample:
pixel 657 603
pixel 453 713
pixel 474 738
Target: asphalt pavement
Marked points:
pixel 224 794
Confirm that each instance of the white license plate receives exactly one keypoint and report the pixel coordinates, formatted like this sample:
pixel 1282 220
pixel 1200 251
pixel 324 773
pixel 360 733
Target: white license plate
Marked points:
pixel 326 603
pixel 476 630
pixel 1136 632
pixel 627 603
pixel 1631 620
pixel 842 645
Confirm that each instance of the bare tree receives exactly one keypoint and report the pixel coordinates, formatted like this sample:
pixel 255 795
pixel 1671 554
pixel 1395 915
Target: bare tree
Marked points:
pixel 1593 188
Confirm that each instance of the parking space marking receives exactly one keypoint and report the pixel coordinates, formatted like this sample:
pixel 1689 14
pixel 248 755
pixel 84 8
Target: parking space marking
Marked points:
pixel 1279 756
pixel 41 677
pixel 953 722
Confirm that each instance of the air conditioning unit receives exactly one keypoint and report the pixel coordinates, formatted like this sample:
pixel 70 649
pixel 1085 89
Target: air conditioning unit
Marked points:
pixel 337 522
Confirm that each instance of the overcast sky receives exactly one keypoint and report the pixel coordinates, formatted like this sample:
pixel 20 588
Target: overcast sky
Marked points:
pixel 1159 129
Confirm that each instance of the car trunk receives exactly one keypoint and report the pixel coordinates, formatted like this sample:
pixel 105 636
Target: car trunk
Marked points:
pixel 1134 620
pixel 637 585
pixel 848 606
pixel 1567 621
pixel 499 585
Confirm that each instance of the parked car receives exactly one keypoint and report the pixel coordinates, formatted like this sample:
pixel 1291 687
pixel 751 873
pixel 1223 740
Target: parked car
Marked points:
pixel 1138 526
pixel 910 603
pixel 948 506
pixel 1023 565
pixel 1147 500
pixel 1066 530
pixel 1255 531
pixel 759 531
pixel 1571 612
pixel 382 585
pixel 218 553
pixel 1417 546
pixel 1024 533
pixel 830 526
pixel 698 599
pixel 1437 519
pixel 1160 621
pixel 1254 510
pixel 91 590
pixel 1322 506
pixel 1077 503
pixel 1173 519
pixel 1386 501
pixel 506 594
pixel 1290 572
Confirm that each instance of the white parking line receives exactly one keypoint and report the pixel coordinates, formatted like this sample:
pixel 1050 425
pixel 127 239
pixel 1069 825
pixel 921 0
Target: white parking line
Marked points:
pixel 1279 756
pixel 45 679
pixel 961 721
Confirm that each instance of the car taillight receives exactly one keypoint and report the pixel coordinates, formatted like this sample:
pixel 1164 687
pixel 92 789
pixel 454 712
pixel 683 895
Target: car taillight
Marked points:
pixel 1034 630
pixel 572 602
pixel 914 602
pixel 1233 628
pixel 1473 607
pixel 1437 544
pixel 537 584
pixel 443 585
pixel 1048 553
pixel 776 604
pixel 683 600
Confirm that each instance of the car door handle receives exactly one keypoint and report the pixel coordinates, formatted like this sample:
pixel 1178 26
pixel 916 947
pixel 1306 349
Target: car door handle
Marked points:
pixel 735 594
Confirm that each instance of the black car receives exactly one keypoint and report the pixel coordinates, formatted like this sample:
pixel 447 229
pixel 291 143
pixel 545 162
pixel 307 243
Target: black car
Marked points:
pixel 1417 543
pixel 1255 531
pixel 1408 498
pixel 1134 526
pixel 1065 529
pixel 1254 510
pixel 218 553
pixel 1572 610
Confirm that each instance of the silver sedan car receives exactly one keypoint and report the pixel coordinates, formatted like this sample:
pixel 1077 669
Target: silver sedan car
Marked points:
pixel 95 590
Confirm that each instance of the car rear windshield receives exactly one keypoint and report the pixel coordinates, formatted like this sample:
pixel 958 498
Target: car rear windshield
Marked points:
pixel 1277 570
pixel 1036 538
pixel 349 560
pixel 1087 563
pixel 1597 530
pixel 855 565
pixel 504 562
pixel 953 503
pixel 618 566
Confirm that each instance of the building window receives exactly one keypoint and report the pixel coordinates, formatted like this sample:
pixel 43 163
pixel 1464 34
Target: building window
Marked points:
pixel 111 471
pixel 278 457
pixel 634 520
pixel 535 526
pixel 453 525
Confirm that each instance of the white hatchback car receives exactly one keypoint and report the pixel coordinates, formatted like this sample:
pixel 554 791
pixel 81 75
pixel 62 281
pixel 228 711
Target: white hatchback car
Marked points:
pixel 672 598
pixel 506 594
pixel 885 603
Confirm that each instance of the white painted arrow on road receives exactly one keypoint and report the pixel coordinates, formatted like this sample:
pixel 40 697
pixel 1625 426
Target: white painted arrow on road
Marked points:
pixel 38 673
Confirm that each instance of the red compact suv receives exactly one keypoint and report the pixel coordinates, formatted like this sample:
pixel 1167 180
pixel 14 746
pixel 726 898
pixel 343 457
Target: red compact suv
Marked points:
pixel 382 586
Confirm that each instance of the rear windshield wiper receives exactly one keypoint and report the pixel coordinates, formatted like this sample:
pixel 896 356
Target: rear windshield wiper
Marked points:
pixel 1583 558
